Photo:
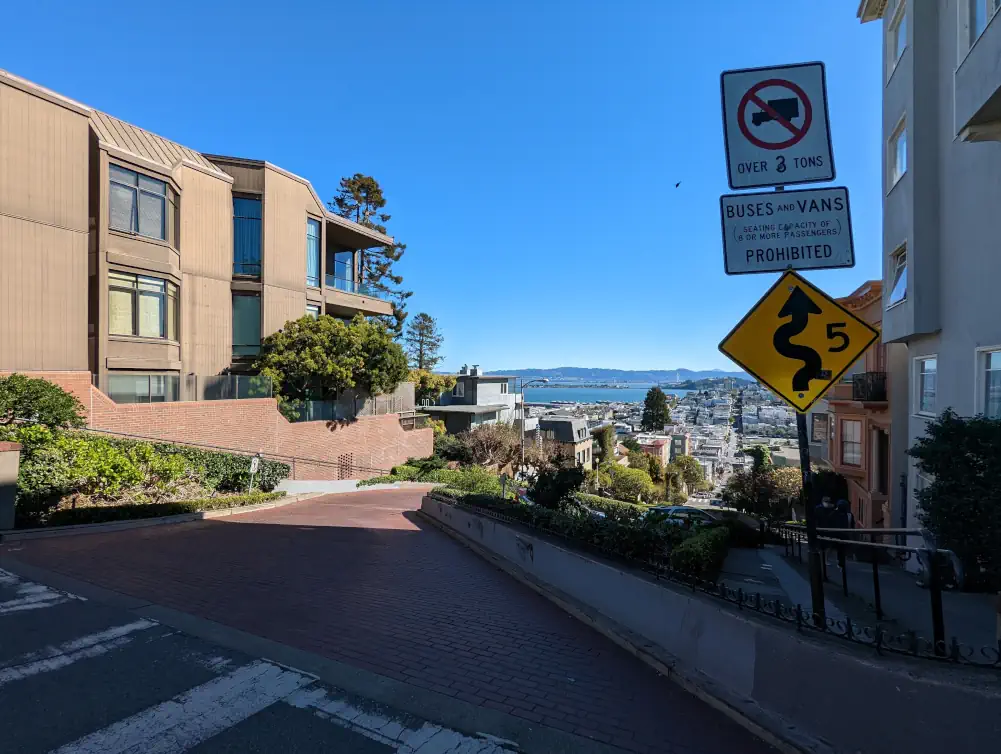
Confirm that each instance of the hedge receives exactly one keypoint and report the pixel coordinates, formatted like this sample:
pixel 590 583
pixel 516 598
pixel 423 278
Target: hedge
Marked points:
pixel 617 510
pixel 637 540
pixel 469 479
pixel 99 514
pixel 702 554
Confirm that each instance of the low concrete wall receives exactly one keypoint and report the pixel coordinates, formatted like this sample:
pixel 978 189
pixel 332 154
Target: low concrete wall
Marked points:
pixel 814 693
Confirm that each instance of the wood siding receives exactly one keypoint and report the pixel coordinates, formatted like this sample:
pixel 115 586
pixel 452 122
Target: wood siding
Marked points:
pixel 245 177
pixel 43 233
pixel 279 306
pixel 206 225
pixel 286 204
pixel 206 325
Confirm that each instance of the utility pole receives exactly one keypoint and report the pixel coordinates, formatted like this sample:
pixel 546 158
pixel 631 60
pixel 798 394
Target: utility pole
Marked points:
pixel 809 506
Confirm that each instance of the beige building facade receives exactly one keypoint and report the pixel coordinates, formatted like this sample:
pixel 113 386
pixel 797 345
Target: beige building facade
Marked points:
pixel 151 265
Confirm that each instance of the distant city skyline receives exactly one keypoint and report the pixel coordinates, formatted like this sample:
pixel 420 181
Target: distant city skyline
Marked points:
pixel 555 168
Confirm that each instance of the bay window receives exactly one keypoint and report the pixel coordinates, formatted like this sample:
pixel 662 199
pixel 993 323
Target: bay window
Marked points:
pixel 140 205
pixel 142 306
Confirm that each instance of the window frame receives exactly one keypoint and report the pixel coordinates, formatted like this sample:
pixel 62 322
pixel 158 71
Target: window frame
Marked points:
pixel 892 177
pixel 504 388
pixel 980 401
pixel 260 321
pixel 170 200
pixel 916 382
pixel 311 308
pixel 842 443
pixel 459 389
pixel 237 197
pixel 897 256
pixel 898 20
pixel 171 290
pixel 826 428
pixel 310 222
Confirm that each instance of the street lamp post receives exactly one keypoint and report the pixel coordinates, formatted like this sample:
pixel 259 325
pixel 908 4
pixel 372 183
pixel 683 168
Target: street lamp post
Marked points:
pixel 542 380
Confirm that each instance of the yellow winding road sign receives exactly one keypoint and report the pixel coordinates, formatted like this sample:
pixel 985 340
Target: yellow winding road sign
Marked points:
pixel 798 341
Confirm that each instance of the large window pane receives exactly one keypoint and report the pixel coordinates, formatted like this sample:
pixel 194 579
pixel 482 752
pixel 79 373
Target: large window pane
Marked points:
pixel 246 325
pixel 992 380
pixel 128 388
pixel 312 252
pixel 246 236
pixel 122 203
pixel 120 312
pixel 927 389
pixel 899 292
pixel 172 312
pixel 152 185
pixel 851 443
pixel 152 215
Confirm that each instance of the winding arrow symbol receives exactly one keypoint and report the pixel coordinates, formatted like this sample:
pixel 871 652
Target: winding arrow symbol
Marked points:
pixel 799 306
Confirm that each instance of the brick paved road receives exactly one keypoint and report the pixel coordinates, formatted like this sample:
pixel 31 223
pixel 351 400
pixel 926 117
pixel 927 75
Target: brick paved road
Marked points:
pixel 358 578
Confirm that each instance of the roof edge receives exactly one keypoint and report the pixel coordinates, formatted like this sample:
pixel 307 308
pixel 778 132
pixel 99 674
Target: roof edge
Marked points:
pixel 30 87
pixel 870 10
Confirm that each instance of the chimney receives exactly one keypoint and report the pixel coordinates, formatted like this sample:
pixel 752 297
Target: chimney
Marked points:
pixel 475 371
pixel 464 370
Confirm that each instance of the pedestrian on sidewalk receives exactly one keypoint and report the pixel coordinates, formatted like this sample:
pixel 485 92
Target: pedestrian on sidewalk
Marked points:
pixel 843 518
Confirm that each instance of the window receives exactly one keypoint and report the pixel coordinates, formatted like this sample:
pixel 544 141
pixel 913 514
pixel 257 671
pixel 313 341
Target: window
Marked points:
pixel 981 12
pixel 246 236
pixel 503 388
pixel 818 430
pixel 926 389
pixel 898 36
pixel 851 442
pixel 143 388
pixel 312 252
pixel 897 154
pixel 139 204
pixel 341 270
pixel 313 310
pixel 142 306
pixel 459 391
pixel 246 324
pixel 989 383
pixel 898 266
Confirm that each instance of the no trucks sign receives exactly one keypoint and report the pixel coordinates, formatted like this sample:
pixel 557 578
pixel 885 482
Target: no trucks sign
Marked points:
pixel 776 127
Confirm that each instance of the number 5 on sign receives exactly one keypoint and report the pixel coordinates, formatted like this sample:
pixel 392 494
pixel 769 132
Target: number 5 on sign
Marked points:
pixel 798 341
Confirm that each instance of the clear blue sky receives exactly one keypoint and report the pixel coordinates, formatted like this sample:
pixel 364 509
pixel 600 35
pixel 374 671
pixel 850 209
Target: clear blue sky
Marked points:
pixel 529 150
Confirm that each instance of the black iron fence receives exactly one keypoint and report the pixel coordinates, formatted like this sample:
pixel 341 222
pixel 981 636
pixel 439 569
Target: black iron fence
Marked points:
pixel 877 637
pixel 869 386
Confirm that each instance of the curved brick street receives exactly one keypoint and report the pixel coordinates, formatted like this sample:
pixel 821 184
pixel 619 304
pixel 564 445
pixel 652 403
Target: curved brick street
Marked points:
pixel 358 578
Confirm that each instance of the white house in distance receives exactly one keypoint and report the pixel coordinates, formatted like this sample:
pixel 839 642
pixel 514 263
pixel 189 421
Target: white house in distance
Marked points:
pixel 476 399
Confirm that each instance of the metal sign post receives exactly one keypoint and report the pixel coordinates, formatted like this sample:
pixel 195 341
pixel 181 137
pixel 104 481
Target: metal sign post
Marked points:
pixel 255 463
pixel 810 508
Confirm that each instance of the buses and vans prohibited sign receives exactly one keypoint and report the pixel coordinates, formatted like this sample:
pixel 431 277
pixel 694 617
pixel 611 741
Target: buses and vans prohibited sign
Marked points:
pixel 776 126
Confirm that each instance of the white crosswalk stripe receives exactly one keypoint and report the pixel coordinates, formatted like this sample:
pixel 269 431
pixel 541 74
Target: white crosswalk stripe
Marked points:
pixel 30 596
pixel 195 716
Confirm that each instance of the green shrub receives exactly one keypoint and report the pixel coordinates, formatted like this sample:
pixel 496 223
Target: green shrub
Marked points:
pixel 617 510
pixel 556 484
pixel 741 535
pixel 453 448
pixel 431 463
pixel 38 401
pixel 469 479
pixel 702 554
pixel 97 514
pixel 648 543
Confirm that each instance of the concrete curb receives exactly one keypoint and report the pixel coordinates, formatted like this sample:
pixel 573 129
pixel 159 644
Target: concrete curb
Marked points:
pixel 744 712
pixel 141 523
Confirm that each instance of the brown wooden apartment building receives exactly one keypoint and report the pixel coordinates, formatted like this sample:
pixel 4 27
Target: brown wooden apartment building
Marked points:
pixel 147 263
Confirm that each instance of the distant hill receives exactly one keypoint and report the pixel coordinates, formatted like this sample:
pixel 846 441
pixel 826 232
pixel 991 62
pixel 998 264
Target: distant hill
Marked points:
pixel 592 374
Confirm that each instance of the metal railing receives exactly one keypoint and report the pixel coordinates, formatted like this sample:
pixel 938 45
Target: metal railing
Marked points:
pixel 869 386
pixel 876 637
pixel 169 388
pixel 353 286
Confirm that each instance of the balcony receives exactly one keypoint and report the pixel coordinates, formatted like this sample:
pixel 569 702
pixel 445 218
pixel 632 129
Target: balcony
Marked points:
pixel 345 298
pixel 977 100
pixel 869 387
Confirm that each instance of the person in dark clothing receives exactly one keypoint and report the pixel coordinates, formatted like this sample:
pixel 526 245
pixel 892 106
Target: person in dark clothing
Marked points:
pixel 842 518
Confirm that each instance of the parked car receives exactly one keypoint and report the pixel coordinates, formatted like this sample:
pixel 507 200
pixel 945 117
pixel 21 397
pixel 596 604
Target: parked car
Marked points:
pixel 683 515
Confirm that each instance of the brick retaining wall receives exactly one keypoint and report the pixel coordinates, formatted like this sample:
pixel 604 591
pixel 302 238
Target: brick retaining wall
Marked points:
pixel 255 425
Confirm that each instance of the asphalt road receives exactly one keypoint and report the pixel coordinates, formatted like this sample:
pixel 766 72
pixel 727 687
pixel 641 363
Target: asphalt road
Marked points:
pixel 81 677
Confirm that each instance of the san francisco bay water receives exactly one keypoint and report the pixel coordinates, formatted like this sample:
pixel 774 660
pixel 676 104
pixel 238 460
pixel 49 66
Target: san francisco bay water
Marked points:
pixel 593 394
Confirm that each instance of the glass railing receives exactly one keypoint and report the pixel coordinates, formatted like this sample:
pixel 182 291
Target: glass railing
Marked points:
pixel 167 388
pixel 353 286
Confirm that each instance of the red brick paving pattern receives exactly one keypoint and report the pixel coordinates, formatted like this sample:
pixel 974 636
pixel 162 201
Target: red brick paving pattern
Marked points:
pixel 357 578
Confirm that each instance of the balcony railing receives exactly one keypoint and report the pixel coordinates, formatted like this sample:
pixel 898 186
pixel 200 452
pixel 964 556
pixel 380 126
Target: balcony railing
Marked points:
pixel 353 286
pixel 869 387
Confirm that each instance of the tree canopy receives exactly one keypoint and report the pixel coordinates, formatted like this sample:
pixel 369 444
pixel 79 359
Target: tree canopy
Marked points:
pixel 360 198
pixel 656 411
pixel 318 358
pixel 39 401
pixel 628 484
pixel 604 440
pixel 428 385
pixel 692 473
pixel 423 342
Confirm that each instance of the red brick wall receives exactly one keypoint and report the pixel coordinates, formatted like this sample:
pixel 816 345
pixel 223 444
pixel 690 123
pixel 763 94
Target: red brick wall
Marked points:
pixel 320 450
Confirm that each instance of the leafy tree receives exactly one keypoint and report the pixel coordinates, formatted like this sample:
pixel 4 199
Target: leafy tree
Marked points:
pixel 360 198
pixel 38 401
pixel 604 443
pixel 692 473
pixel 423 341
pixel 314 358
pixel 762 458
pixel 631 443
pixel 638 460
pixel 494 444
pixel 962 505
pixel 453 448
pixel 428 385
pixel 656 412
pixel 437 427
pixel 787 486
pixel 629 484
pixel 556 483
pixel 655 469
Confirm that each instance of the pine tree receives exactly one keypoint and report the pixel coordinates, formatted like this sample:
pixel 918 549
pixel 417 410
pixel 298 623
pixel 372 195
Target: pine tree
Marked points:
pixel 655 410
pixel 360 198
pixel 423 341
